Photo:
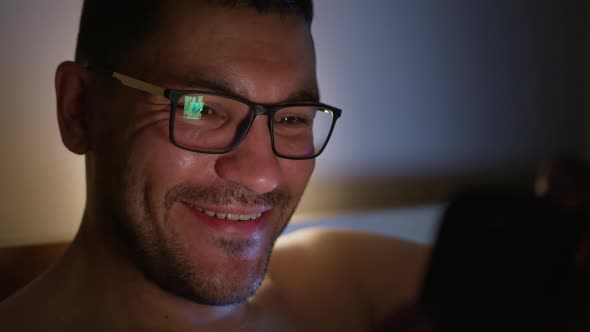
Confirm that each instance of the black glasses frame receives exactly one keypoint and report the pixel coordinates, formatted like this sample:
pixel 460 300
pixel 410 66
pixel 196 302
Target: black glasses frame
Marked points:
pixel 255 110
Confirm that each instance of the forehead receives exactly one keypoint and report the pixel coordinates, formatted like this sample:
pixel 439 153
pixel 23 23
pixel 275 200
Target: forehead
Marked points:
pixel 254 51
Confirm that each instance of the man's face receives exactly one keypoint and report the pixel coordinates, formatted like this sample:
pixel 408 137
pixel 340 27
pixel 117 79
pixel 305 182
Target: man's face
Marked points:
pixel 160 198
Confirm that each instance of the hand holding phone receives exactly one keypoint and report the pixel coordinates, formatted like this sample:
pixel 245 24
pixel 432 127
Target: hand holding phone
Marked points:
pixel 503 260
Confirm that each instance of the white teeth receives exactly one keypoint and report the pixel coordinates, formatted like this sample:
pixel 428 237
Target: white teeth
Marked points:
pixel 230 216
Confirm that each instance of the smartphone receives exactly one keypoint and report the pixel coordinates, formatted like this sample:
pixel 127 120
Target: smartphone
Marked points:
pixel 500 262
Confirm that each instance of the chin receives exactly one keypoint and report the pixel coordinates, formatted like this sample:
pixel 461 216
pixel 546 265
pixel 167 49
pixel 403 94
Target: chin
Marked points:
pixel 210 271
pixel 220 284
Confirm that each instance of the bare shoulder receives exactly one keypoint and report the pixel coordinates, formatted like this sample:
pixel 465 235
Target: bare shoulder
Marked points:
pixel 379 273
pixel 344 241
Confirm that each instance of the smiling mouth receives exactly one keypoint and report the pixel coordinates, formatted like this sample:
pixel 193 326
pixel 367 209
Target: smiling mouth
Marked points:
pixel 227 216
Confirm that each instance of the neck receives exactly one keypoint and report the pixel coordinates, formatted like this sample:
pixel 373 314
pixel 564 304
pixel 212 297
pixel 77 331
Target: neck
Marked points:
pixel 107 283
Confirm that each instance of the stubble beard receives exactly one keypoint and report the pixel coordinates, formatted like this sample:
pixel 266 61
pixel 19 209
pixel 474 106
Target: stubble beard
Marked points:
pixel 164 261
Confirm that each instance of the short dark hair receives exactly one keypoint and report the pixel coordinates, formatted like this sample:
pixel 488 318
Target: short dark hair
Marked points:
pixel 111 28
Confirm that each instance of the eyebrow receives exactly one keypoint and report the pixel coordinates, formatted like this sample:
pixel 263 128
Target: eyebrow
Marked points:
pixel 220 83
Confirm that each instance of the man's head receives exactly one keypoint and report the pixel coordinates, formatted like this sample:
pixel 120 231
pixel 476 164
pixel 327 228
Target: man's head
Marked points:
pixel 169 206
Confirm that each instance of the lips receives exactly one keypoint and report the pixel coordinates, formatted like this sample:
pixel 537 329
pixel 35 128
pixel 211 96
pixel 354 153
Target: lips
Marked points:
pixel 229 216
pixel 225 215
pixel 242 222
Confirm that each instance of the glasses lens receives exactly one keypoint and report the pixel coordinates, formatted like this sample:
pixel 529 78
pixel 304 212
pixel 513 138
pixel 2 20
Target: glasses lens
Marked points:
pixel 209 122
pixel 302 131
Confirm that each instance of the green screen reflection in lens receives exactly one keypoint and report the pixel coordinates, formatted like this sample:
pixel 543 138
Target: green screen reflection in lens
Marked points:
pixel 193 108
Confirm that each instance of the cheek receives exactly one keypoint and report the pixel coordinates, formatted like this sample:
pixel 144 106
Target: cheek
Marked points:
pixel 148 148
pixel 296 174
pixel 155 166
pixel 163 165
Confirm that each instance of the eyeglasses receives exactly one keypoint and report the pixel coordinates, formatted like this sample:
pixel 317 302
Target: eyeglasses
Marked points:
pixel 215 122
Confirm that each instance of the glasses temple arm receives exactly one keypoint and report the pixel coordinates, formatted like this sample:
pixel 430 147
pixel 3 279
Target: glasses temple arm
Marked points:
pixel 139 85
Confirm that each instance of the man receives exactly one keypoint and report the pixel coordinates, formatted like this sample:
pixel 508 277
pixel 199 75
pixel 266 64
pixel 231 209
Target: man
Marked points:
pixel 200 122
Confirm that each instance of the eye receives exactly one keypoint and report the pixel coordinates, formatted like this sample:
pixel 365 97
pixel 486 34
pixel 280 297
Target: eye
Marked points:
pixel 196 108
pixel 292 120
pixel 207 111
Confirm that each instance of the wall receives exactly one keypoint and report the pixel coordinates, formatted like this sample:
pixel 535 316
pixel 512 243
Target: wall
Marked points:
pixel 42 183
pixel 442 94
pixel 433 92
pixel 446 86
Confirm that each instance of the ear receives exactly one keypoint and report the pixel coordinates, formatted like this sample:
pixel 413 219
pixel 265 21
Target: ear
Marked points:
pixel 71 82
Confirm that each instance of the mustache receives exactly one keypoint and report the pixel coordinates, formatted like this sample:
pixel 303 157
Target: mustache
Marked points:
pixel 232 194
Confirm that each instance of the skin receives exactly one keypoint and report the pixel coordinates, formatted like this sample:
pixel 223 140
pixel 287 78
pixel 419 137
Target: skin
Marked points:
pixel 139 232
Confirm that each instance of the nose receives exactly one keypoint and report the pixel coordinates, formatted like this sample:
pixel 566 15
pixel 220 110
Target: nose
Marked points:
pixel 252 164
